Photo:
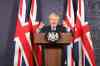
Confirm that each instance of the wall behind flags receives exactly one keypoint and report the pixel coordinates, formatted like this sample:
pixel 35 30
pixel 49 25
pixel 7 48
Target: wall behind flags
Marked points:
pixel 8 12
pixel 92 12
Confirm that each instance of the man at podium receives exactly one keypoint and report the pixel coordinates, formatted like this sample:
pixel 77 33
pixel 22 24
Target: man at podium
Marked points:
pixel 55 55
pixel 53 25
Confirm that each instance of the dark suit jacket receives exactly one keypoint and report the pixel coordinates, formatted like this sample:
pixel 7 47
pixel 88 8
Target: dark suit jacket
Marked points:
pixel 59 28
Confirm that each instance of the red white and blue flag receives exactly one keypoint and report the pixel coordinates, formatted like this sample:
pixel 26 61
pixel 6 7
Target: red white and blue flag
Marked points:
pixel 23 47
pixel 81 53
pixel 82 31
pixel 69 22
pixel 34 26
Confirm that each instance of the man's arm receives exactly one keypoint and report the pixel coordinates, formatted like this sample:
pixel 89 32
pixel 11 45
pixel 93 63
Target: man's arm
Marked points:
pixel 64 29
pixel 43 30
pixel 40 28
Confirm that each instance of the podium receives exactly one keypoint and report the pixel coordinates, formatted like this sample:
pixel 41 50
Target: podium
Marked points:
pixel 53 52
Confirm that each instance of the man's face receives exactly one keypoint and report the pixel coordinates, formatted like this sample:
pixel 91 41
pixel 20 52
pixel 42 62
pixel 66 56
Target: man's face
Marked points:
pixel 53 20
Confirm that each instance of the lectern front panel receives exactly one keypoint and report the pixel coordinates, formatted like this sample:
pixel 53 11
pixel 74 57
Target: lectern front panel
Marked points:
pixel 53 57
pixel 53 54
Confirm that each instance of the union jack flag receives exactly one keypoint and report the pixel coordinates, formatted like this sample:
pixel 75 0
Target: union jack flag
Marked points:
pixel 23 47
pixel 34 25
pixel 81 52
pixel 82 32
pixel 69 22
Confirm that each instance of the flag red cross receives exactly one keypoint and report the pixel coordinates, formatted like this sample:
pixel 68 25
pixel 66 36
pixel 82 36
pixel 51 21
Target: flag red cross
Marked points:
pixel 81 32
pixel 20 32
pixel 19 57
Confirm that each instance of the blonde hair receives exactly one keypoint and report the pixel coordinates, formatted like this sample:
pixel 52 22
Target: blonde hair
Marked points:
pixel 54 15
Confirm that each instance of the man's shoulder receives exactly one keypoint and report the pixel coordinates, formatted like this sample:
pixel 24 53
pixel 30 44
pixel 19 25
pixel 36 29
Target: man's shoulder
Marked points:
pixel 60 26
pixel 45 29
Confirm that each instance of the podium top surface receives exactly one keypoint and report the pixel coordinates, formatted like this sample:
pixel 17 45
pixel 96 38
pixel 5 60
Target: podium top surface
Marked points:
pixel 39 38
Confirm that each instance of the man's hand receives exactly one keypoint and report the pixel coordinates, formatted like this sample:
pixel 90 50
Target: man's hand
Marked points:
pixel 64 24
pixel 41 25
